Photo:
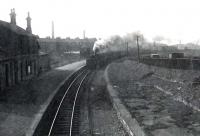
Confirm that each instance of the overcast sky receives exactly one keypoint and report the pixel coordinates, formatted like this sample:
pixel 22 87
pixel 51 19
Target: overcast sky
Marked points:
pixel 174 19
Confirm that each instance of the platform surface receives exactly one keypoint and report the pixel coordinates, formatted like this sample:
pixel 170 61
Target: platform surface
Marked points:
pixel 26 102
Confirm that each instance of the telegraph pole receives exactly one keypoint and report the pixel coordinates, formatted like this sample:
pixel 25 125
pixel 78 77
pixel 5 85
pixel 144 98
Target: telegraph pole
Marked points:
pixel 138 49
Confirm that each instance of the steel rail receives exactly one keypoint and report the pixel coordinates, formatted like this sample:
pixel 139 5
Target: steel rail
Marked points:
pixel 49 134
pixel 74 104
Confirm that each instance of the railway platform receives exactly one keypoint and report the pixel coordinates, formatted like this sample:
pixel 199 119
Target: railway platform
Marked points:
pixel 24 105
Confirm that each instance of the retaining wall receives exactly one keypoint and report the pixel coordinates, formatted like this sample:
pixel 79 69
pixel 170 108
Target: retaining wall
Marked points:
pixel 179 63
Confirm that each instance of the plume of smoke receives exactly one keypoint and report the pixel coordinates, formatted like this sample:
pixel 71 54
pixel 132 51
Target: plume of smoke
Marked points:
pixel 99 45
pixel 119 43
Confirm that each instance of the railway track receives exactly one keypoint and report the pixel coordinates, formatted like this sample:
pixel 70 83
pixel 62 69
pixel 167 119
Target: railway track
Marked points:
pixel 62 116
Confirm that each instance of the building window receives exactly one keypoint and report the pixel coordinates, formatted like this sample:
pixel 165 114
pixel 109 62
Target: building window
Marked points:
pixel 29 69
pixel 26 67
pixel 7 74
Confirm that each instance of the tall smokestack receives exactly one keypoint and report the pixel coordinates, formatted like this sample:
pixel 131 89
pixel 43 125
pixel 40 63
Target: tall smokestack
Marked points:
pixel 83 34
pixel 28 28
pixel 13 17
pixel 52 30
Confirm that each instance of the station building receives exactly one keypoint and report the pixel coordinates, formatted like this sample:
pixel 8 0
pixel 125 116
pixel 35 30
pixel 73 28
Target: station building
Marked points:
pixel 19 52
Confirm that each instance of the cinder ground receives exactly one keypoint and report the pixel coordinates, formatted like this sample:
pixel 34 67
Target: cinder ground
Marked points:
pixel 180 83
pixel 99 117
pixel 159 113
pixel 20 103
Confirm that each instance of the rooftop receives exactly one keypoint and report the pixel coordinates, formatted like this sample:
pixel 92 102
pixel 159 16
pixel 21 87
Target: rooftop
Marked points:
pixel 14 28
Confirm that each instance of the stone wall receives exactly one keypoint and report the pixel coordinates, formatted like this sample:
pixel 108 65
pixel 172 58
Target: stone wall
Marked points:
pixel 15 70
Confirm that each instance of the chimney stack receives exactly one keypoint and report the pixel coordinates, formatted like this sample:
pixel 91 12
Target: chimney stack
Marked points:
pixel 28 28
pixel 13 17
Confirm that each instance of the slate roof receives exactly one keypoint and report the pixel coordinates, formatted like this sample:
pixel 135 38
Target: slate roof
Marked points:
pixel 14 28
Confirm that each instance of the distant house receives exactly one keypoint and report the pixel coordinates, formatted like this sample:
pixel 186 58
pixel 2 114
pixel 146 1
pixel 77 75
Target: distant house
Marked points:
pixel 57 48
pixel 62 45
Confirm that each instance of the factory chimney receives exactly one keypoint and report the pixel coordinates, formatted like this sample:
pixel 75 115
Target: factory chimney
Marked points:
pixel 52 30
pixel 83 34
